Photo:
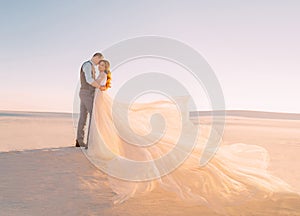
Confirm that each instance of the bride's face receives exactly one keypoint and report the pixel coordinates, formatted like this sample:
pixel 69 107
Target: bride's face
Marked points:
pixel 101 66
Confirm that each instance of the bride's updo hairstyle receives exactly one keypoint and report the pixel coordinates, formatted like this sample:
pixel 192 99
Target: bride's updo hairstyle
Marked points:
pixel 108 72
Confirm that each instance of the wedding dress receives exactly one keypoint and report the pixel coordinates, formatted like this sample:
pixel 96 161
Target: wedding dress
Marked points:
pixel 237 172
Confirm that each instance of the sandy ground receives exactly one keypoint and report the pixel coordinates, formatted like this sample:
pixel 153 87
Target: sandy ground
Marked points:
pixel 42 174
pixel 23 131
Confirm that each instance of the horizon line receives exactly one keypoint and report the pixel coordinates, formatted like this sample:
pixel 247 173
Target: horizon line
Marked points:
pixel 245 113
pixel 230 110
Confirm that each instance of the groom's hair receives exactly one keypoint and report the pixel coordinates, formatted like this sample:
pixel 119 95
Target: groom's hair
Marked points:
pixel 98 54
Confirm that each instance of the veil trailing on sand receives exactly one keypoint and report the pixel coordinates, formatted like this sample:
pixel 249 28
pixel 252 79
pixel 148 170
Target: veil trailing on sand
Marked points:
pixel 237 173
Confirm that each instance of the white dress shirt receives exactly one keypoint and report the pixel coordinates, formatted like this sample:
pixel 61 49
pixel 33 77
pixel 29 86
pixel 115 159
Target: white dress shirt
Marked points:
pixel 87 69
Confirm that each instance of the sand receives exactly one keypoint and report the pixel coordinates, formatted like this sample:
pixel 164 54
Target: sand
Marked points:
pixel 43 174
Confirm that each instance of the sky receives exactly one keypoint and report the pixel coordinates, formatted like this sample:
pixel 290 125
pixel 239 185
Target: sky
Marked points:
pixel 252 46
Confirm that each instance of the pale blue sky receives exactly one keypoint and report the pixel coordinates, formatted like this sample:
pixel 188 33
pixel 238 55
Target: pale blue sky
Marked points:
pixel 253 46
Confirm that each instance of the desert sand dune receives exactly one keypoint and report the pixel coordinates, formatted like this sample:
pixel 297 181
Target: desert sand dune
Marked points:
pixel 43 174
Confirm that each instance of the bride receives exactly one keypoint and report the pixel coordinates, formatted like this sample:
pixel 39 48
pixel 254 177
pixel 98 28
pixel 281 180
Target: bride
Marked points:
pixel 118 133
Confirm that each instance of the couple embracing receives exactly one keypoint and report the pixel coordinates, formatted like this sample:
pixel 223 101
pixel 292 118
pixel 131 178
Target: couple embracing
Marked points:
pixel 94 74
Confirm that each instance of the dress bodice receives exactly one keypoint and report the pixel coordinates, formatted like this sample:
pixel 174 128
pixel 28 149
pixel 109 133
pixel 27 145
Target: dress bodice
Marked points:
pixel 102 77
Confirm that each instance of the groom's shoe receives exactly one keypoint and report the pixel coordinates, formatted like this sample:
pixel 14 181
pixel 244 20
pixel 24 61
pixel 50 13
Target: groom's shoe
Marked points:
pixel 78 145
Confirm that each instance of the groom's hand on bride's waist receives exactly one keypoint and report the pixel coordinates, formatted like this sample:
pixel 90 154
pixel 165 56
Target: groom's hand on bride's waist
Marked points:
pixel 102 88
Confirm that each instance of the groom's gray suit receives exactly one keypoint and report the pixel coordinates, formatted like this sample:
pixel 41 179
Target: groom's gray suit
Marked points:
pixel 86 95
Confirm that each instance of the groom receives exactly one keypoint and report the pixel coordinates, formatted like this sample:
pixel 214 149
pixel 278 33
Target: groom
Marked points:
pixel 87 90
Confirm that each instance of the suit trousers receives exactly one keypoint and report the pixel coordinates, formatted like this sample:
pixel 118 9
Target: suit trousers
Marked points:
pixel 86 109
